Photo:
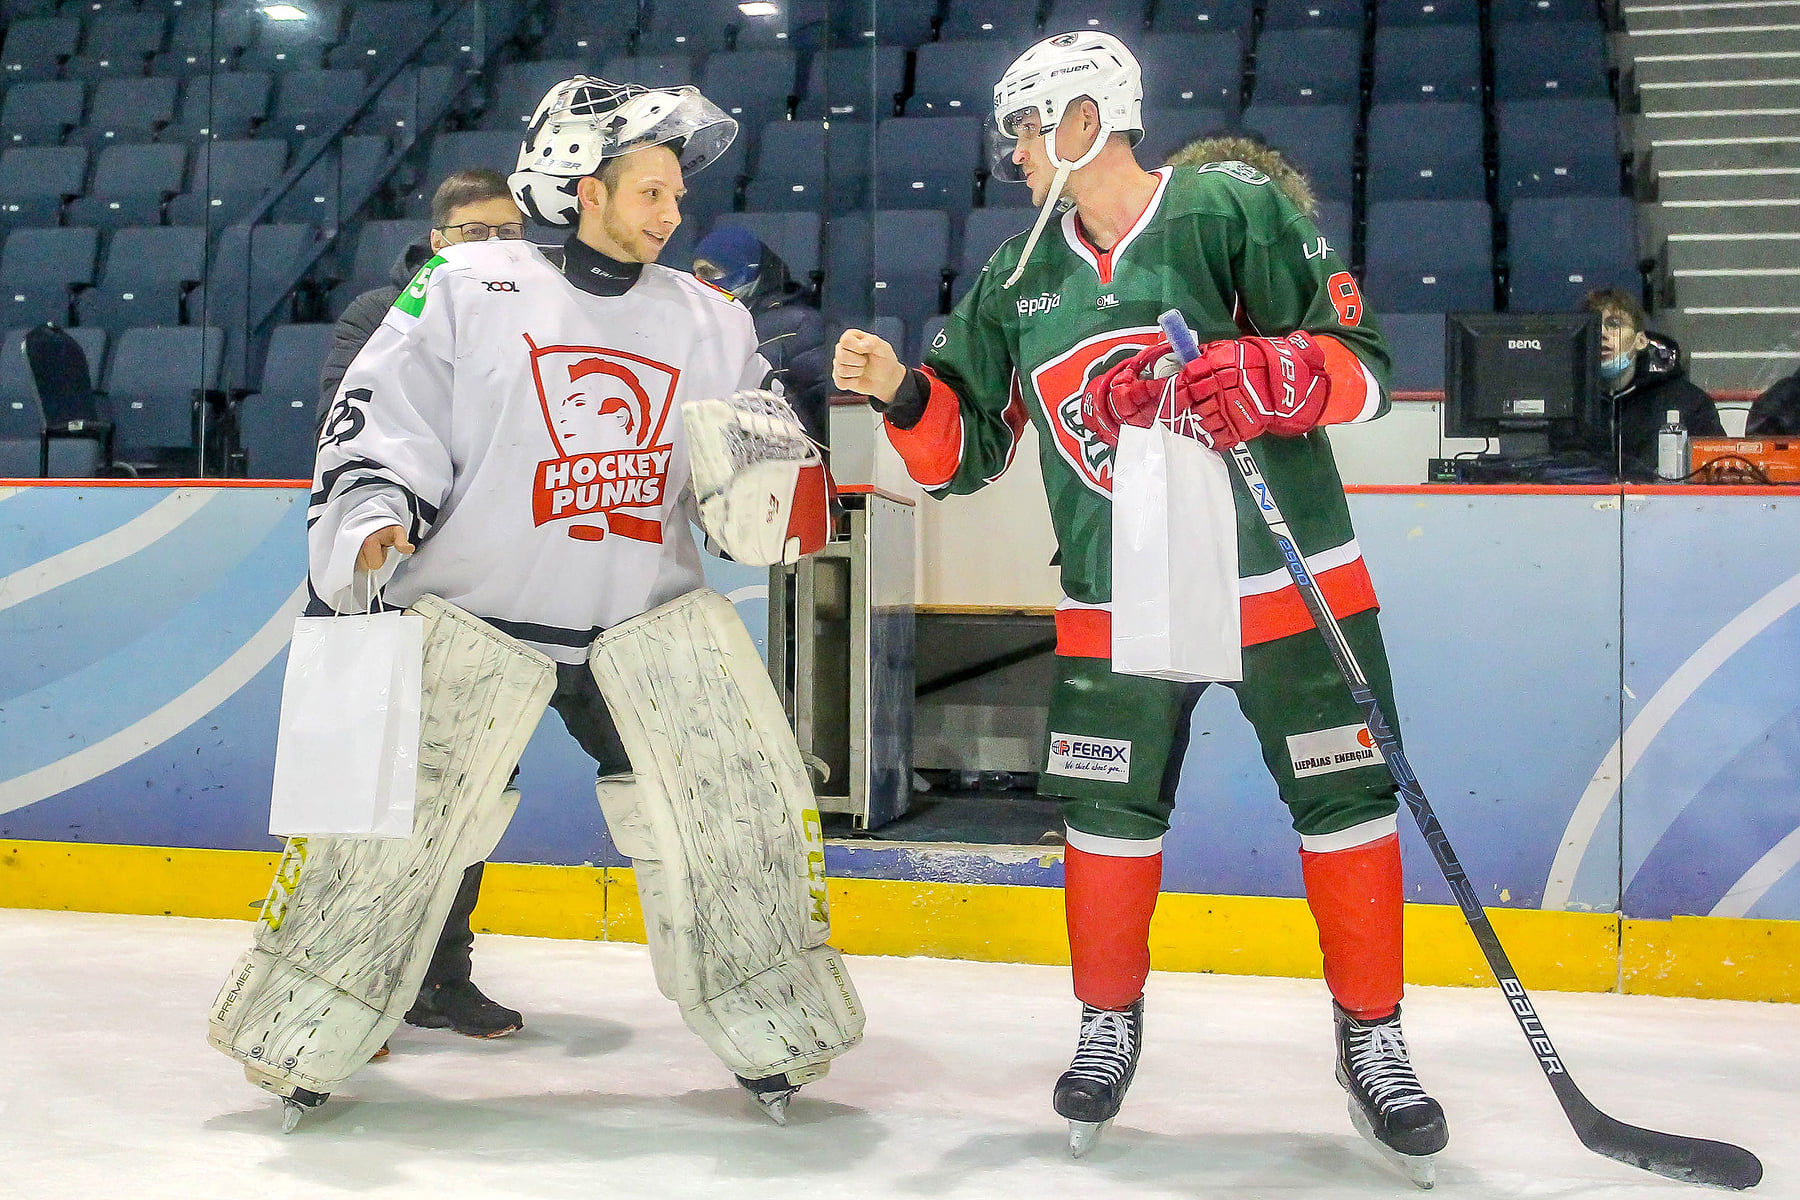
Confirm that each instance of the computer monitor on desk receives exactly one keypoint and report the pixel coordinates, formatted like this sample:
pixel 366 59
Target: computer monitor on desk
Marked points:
pixel 1530 380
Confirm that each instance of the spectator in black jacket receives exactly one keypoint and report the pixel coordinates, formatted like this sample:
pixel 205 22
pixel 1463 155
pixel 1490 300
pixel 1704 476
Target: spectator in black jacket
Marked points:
pixel 1776 411
pixel 469 206
pixel 790 329
pixel 1642 373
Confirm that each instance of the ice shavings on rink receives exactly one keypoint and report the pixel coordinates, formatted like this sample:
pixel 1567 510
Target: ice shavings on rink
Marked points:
pixel 109 1089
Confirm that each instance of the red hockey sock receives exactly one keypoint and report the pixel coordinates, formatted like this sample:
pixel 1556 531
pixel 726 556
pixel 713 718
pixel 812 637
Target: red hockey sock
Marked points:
pixel 1109 900
pixel 1355 896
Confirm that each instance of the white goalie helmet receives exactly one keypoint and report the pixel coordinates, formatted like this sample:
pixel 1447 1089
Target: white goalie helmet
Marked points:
pixel 1045 82
pixel 582 122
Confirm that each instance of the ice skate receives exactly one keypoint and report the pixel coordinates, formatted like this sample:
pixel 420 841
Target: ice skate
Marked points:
pixel 459 1005
pixel 771 1094
pixel 295 1101
pixel 1089 1093
pixel 1387 1105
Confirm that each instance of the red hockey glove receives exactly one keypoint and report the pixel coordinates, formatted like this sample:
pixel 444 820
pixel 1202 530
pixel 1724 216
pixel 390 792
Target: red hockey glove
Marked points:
pixel 1240 389
pixel 1125 395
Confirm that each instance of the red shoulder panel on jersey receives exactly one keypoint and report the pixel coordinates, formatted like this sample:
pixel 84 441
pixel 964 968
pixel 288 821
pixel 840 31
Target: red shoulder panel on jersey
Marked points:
pixel 1350 383
pixel 933 448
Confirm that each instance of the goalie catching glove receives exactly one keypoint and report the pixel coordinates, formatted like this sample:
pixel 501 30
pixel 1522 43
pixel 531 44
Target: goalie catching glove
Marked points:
pixel 763 490
pixel 1235 391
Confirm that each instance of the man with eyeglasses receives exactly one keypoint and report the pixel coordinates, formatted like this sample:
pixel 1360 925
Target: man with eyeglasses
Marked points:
pixel 469 206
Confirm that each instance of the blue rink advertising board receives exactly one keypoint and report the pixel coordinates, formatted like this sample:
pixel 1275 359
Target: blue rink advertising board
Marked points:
pixel 1597 689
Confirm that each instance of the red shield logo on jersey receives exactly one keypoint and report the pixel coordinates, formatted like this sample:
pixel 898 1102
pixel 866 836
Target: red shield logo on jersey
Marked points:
pixel 605 411
pixel 1059 384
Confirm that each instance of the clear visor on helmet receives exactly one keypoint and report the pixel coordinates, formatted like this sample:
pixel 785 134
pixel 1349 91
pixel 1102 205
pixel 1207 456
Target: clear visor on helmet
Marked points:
pixel 698 130
pixel 1004 135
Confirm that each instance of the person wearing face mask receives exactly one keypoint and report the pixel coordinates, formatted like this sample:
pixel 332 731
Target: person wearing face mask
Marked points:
pixel 1643 375
pixel 791 331
pixel 468 206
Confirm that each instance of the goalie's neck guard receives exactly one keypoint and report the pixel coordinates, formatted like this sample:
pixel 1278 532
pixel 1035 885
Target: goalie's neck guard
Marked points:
pixel 596 273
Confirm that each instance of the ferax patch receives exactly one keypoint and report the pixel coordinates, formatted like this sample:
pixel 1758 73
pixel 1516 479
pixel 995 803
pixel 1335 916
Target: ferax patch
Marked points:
pixel 1089 758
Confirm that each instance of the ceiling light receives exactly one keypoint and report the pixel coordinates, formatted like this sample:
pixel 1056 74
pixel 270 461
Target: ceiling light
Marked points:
pixel 284 12
pixel 759 8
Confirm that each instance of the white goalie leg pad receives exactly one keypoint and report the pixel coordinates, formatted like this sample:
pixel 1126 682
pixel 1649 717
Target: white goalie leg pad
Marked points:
pixel 720 824
pixel 349 926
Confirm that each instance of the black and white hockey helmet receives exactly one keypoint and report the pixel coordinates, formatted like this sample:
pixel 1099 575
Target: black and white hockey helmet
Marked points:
pixel 582 122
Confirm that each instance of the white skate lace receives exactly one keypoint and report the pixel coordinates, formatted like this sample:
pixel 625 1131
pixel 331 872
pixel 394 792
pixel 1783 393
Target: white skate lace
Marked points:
pixel 1379 1061
pixel 1103 1052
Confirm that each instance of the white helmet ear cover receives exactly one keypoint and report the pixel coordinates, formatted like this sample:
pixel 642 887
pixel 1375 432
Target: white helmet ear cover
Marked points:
pixel 584 121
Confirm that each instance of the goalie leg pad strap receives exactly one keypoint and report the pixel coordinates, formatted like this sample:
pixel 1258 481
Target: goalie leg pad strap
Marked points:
pixel 349 926
pixel 724 835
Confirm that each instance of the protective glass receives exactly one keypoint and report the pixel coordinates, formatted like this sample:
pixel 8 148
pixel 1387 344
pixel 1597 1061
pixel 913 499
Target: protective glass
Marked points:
pixel 1003 136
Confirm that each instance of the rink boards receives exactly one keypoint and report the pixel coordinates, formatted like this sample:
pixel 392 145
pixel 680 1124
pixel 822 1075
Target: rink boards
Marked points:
pixel 1597 689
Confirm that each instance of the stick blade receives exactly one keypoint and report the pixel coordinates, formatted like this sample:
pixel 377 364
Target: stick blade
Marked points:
pixel 1688 1159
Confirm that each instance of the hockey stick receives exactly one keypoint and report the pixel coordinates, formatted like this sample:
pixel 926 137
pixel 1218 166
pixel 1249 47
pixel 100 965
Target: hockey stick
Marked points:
pixel 1691 1160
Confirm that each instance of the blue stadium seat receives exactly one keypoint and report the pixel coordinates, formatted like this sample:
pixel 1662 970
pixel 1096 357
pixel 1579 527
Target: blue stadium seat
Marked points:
pixel 128 110
pixel 792 235
pixel 1429 256
pixel 153 382
pixel 1167 130
pixel 956 79
pixel 1558 148
pixel 276 425
pixel 1390 14
pixel 1124 19
pixel 911 257
pixel 495 150
pixel 855 82
pixel 651 70
pixel 205 37
pixel 518 87
pixel 228 180
pixel 117 45
pixel 1549 60
pixel 983 232
pixel 35 180
pixel 338 184
pixel 1308 66
pixel 684 27
pixel 130 186
pixel 1313 14
pixel 248 272
pixel 144 276
pixel 849 268
pixel 1560 249
pixel 38 269
pixel 1201 16
pixel 897 334
pixel 63 380
pixel 753 86
pixel 791 170
pixel 223 105
pixel 21 416
pixel 1425 152
pixel 309 103
pixel 1544 10
pixel 712 191
pixel 885 23
pixel 379 31
pixel 797 25
pixel 1016 21
pixel 412 102
pixel 294 45
pixel 927 162
pixel 1424 63
pixel 590 29
pixel 1416 342
pixel 1318 139
pixel 36 47
pixel 40 113
pixel 1333 220
pixel 1201 70
pixel 378 246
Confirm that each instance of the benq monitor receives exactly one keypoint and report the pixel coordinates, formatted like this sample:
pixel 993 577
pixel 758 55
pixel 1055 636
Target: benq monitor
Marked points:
pixel 1532 380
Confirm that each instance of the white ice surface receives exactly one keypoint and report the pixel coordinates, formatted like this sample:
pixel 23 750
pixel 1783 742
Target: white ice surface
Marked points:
pixel 108 1088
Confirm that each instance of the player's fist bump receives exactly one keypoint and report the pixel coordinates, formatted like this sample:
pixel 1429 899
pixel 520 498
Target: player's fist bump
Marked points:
pixel 865 364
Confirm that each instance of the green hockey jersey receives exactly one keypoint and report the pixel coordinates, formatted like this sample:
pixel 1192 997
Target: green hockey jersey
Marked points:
pixel 1226 246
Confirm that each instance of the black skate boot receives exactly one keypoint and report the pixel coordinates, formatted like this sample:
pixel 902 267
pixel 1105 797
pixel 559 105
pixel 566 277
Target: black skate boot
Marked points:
pixel 459 1005
pixel 773 1092
pixel 1387 1105
pixel 1089 1093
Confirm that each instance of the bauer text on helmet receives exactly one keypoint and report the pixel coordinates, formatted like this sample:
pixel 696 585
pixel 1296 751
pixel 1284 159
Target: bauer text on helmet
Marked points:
pixel 584 121
pixel 1046 82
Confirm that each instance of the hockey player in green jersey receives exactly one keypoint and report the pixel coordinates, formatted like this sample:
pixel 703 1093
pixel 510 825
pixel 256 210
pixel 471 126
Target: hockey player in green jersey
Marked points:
pixel 1060 329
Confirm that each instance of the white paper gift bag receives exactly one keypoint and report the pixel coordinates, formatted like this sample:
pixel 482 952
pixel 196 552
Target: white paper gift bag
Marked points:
pixel 347 753
pixel 1175 568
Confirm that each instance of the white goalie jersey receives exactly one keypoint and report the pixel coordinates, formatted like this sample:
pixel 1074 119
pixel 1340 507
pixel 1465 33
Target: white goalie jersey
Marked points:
pixel 528 435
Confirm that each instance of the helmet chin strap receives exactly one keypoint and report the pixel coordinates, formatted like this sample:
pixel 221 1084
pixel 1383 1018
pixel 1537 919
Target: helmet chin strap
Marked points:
pixel 1063 169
